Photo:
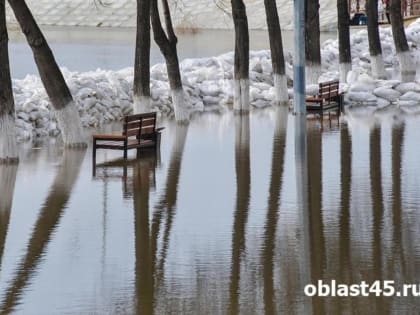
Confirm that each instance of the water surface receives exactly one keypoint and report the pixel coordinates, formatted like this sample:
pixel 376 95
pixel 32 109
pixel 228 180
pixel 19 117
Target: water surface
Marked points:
pixel 87 49
pixel 229 216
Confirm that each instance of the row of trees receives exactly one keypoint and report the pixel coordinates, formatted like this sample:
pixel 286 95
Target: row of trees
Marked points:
pixel 149 17
pixel 59 93
pixel 407 68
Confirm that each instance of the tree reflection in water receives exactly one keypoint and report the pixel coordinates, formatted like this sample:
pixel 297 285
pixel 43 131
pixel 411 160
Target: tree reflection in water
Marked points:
pixel 243 191
pixel 48 219
pixel 273 208
pixel 149 263
pixel 7 186
pixel 337 207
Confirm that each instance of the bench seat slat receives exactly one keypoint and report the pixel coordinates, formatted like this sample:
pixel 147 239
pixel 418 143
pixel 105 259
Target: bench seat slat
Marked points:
pixel 143 143
pixel 139 116
pixel 133 124
pixel 133 132
pixel 148 122
pixel 109 146
pixel 313 99
pixel 109 137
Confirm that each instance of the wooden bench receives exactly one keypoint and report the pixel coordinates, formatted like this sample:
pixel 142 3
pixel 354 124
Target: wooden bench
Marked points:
pixel 328 99
pixel 139 131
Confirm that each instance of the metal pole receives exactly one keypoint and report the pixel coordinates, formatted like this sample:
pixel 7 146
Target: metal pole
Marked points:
pixel 299 58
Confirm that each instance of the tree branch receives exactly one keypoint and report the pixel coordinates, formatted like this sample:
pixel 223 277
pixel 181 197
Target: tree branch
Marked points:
pixel 168 23
pixel 158 32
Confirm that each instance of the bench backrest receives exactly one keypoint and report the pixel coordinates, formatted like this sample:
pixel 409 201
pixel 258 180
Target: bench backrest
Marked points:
pixel 139 125
pixel 328 90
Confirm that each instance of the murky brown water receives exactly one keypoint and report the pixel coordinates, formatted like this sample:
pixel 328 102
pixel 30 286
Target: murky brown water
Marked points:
pixel 230 217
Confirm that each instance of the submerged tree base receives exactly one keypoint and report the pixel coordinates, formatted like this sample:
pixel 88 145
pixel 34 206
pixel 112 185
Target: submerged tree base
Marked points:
pixel 312 73
pixel 182 114
pixel 407 66
pixel 8 146
pixel 241 97
pixel 378 67
pixel 344 69
pixel 280 87
pixel 141 104
pixel 71 128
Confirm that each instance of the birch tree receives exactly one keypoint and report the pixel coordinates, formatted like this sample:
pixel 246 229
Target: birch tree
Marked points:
pixel 8 146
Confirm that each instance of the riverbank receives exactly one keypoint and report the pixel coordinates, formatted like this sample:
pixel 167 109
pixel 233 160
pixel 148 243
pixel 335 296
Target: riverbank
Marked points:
pixel 103 96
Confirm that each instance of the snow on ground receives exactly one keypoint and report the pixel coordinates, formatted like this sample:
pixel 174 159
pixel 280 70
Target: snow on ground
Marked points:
pixel 104 96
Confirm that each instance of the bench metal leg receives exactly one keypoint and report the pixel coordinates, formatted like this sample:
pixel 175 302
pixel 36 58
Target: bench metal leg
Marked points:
pixel 158 140
pixel 93 169
pixel 125 149
pixel 94 151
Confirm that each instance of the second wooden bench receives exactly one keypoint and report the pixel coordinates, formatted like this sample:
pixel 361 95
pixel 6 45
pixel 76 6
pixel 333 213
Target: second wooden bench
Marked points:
pixel 328 99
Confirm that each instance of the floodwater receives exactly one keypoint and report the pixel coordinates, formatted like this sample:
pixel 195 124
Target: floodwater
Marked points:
pixel 87 49
pixel 234 214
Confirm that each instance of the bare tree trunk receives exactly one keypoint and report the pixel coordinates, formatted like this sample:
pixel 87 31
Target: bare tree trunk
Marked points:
pixel 240 20
pixel 312 42
pixel 375 49
pixel 343 39
pixel 277 55
pixel 141 87
pixel 407 65
pixel 167 45
pixel 51 76
pixel 8 146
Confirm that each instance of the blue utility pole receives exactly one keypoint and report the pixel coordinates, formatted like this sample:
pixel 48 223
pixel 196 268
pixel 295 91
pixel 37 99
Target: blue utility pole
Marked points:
pixel 299 107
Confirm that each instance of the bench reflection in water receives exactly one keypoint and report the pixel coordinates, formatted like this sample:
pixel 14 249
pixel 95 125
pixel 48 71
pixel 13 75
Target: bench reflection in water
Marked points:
pixel 125 170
